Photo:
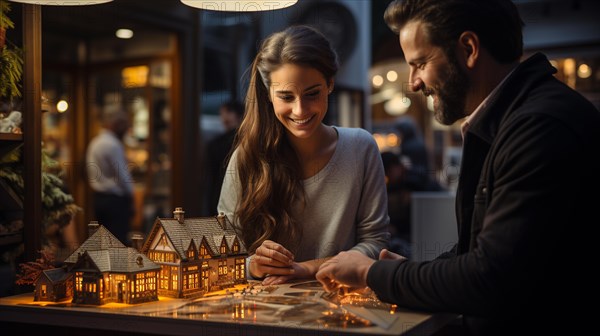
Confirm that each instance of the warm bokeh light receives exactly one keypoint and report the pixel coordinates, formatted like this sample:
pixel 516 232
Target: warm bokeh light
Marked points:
pixel 392 76
pixel 377 81
pixel 62 106
pixel 136 76
pixel 398 105
pixel 392 140
pixel 569 66
pixel 584 71
pixel 124 33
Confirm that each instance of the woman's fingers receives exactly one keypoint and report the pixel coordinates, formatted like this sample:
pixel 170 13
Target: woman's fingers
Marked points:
pixel 276 279
pixel 269 244
pixel 274 254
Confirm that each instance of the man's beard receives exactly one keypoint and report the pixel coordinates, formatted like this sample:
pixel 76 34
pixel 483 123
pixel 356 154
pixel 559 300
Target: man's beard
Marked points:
pixel 451 94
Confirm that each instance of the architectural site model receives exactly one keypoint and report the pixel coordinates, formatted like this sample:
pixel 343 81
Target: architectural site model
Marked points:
pixel 181 258
pixel 189 276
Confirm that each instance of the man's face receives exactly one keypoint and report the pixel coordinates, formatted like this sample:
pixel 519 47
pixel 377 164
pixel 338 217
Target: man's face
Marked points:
pixel 434 73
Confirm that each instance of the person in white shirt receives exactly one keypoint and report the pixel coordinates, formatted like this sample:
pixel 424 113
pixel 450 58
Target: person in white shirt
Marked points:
pixel 109 176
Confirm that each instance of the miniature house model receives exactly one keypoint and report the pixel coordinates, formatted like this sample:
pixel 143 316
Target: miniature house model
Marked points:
pixel 196 255
pixel 106 271
pixel 181 258
pixel 54 285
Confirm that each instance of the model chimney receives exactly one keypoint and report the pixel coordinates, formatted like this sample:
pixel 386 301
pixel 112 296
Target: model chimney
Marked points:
pixel 137 241
pixel 221 219
pixel 178 214
pixel 93 226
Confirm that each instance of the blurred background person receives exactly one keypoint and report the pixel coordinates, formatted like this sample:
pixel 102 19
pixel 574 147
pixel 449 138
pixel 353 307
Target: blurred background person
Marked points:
pixel 218 148
pixel 415 157
pixel 398 202
pixel 109 176
pixel 406 172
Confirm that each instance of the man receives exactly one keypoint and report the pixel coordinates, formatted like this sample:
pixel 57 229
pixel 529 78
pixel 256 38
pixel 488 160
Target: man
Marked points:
pixel 108 174
pixel 526 189
pixel 217 151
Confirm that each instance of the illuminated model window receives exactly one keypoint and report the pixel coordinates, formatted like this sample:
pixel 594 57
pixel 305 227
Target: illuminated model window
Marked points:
pixel 222 267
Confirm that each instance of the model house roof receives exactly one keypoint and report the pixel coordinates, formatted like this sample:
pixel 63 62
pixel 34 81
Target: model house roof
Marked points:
pixel 56 275
pixel 181 231
pixel 99 239
pixel 119 260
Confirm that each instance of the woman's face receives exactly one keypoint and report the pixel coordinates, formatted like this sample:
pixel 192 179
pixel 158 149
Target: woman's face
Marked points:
pixel 299 96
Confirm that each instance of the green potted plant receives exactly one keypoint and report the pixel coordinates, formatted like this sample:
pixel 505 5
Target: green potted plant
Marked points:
pixel 5 22
pixel 11 59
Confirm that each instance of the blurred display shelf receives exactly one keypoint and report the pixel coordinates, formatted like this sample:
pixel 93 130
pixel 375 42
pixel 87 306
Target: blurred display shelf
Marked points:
pixel 11 238
pixel 11 136
pixel 9 141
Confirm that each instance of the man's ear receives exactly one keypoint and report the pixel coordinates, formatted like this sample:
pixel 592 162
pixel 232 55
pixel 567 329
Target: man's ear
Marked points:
pixel 468 48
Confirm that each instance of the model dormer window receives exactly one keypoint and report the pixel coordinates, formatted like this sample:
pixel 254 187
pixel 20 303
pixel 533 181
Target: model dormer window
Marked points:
pixel 223 248
pixel 203 251
pixel 236 247
pixel 190 253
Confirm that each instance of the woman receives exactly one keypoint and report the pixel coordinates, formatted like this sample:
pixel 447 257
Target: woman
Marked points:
pixel 299 191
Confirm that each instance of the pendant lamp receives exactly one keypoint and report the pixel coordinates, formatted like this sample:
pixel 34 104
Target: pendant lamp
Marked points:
pixel 62 2
pixel 240 5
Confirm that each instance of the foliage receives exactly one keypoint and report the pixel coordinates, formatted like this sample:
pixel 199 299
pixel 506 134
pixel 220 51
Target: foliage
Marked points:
pixel 31 271
pixel 57 205
pixel 5 21
pixel 11 60
pixel 11 71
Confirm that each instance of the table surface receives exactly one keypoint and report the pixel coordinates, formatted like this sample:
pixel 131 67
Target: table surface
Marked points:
pixel 301 308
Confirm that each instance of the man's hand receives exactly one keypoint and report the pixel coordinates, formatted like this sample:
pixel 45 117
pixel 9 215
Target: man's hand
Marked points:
pixel 385 254
pixel 346 269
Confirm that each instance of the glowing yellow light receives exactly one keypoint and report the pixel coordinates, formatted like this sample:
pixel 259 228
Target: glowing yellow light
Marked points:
pixel 569 66
pixel 584 71
pixel 136 76
pixel 392 140
pixel 398 105
pixel 62 106
pixel 377 81
pixel 124 33
pixel 392 76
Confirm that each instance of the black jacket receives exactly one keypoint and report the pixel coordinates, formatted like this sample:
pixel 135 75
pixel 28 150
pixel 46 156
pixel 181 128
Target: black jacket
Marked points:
pixel 527 198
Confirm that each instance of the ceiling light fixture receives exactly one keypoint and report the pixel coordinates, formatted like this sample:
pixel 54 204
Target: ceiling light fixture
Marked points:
pixel 124 33
pixel 240 5
pixel 62 2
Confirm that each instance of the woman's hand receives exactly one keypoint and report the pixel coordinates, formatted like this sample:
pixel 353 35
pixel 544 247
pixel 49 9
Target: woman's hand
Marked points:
pixel 271 258
pixel 302 270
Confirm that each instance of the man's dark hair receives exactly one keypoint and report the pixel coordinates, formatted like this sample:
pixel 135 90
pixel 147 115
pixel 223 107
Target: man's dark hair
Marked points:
pixel 497 23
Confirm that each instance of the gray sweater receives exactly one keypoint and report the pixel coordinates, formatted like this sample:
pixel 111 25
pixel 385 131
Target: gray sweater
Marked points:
pixel 346 201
